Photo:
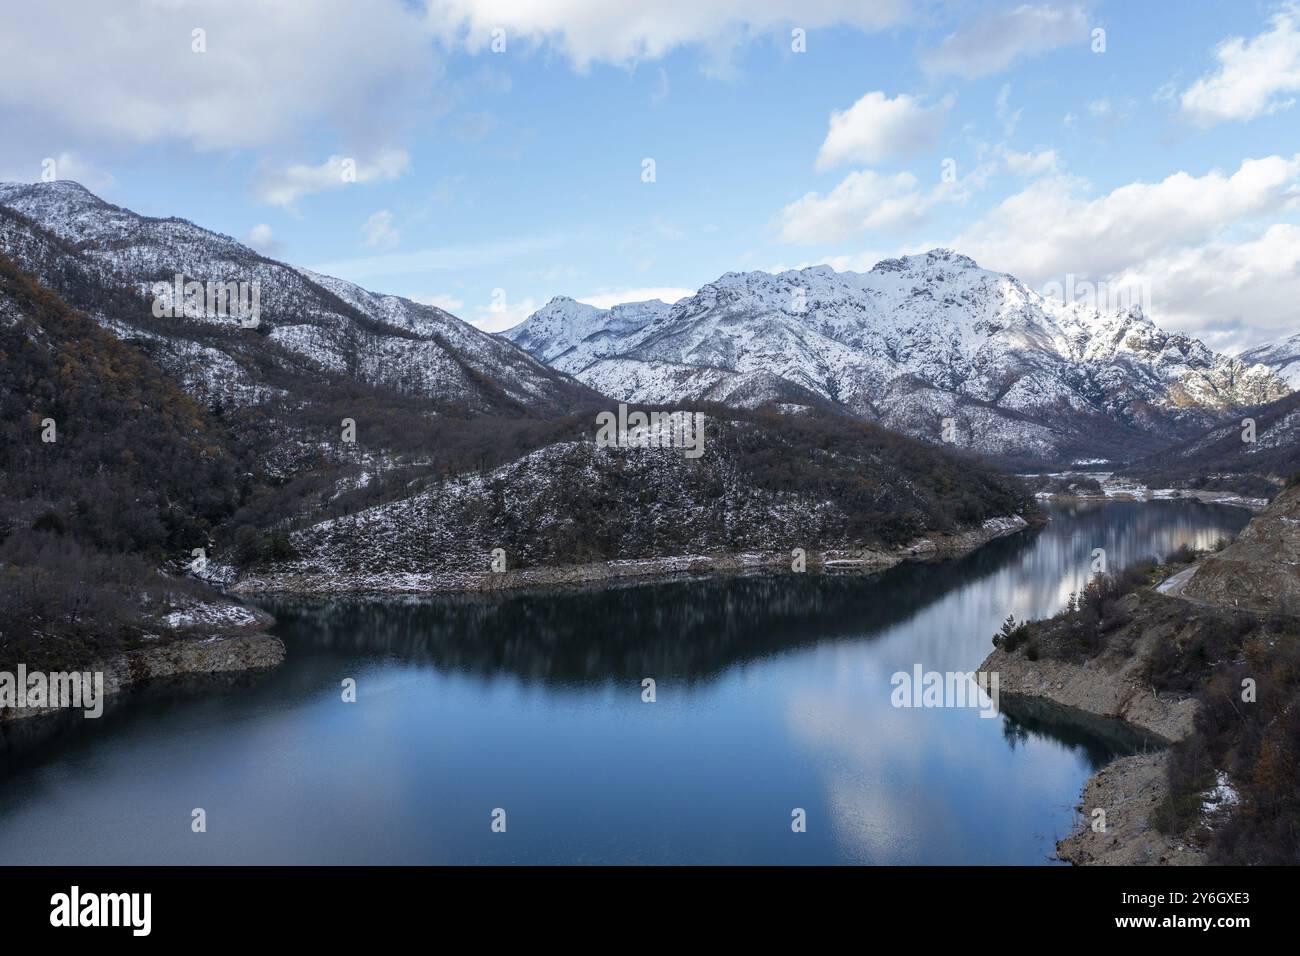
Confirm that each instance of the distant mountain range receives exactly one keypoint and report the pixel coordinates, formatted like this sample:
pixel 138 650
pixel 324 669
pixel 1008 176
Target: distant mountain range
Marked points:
pixel 911 343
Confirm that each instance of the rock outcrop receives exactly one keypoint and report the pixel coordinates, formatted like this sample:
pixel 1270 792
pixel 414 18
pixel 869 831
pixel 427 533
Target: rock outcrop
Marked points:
pixel 1129 790
pixel 1112 684
pixel 1260 571
pixel 231 650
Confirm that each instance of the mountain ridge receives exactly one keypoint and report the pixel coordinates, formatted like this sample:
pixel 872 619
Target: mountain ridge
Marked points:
pixel 911 342
pixel 378 339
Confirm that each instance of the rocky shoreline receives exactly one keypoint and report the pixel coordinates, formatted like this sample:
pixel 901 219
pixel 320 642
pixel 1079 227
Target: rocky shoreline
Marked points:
pixel 1108 686
pixel 1130 789
pixel 233 639
pixel 1111 686
pixel 931 547
pixel 247 648
pixel 1258 573
pixel 1070 486
pixel 1206 497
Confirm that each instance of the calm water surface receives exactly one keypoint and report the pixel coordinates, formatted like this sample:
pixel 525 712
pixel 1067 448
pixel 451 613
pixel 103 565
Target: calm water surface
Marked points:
pixel 773 693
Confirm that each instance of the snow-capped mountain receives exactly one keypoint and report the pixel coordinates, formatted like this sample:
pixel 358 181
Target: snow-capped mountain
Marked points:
pixel 72 240
pixel 1283 357
pixel 912 342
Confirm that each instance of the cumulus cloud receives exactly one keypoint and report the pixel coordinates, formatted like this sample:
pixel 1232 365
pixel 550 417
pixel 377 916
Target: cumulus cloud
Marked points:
pixel 380 231
pixel 284 186
pixel 1051 228
pixel 1232 294
pixel 131 72
pixel 990 43
pixel 877 127
pixel 1210 246
pixel 597 30
pixel 864 200
pixel 1254 77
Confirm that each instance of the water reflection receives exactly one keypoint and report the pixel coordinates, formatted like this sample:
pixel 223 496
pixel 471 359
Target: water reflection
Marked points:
pixel 687 629
pixel 773 693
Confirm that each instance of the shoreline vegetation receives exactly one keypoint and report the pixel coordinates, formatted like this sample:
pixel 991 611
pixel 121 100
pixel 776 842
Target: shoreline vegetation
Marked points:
pixel 236 642
pixel 1108 486
pixel 1201 651
pixel 937 546
pixel 234 637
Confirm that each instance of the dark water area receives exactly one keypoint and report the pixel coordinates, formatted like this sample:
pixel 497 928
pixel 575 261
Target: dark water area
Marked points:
pixel 772 693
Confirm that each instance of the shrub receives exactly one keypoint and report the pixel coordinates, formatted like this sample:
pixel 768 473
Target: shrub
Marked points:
pixel 1011 635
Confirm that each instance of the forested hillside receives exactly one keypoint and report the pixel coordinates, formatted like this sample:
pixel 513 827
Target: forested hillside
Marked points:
pixel 109 469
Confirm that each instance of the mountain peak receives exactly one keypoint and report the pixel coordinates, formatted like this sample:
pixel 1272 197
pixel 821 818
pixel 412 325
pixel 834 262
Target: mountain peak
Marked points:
pixel 54 189
pixel 52 185
pixel 926 260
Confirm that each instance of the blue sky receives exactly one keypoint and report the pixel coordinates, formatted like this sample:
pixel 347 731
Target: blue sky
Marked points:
pixel 490 181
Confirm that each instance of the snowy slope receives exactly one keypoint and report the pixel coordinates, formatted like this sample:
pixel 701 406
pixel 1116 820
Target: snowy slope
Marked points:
pixel 380 340
pixel 1283 357
pixel 573 502
pixel 909 343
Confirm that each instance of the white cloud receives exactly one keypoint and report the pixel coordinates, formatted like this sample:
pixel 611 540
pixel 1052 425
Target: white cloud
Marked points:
pixel 863 200
pixel 1234 294
pixel 504 314
pixel 876 128
pixel 1254 78
pixel 990 43
pixel 1050 228
pixel 607 299
pixel 380 231
pixel 66 165
pixel 262 238
pixel 598 30
pixel 127 71
pixel 283 187
pixel 1031 164
pixel 1209 249
pixel 1211 246
pixel 846 262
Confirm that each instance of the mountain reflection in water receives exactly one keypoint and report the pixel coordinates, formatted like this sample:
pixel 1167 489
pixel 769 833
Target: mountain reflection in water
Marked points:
pixel 772 693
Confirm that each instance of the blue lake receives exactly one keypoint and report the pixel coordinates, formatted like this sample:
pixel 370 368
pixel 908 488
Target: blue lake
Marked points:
pixel 772 693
